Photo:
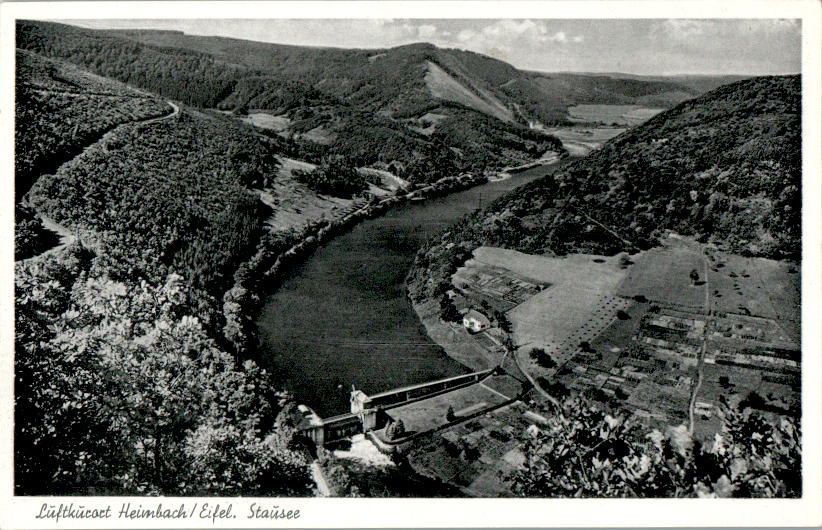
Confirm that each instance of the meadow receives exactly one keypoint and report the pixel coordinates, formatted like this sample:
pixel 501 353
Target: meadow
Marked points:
pixel 612 114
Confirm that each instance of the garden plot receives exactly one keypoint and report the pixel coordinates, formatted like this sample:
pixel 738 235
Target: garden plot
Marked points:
pixel 495 287
pixel 476 455
pixel 666 402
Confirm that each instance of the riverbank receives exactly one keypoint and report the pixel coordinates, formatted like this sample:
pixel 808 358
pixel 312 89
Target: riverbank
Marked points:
pixel 343 318
pixel 428 285
pixel 279 250
pixel 453 338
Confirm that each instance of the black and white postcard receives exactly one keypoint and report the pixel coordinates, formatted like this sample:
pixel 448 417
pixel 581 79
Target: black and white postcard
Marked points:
pixel 360 264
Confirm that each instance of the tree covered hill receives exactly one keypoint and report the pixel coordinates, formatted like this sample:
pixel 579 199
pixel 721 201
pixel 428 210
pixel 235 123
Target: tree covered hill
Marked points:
pixel 122 385
pixel 392 79
pixel 724 167
pixel 60 109
pixel 398 106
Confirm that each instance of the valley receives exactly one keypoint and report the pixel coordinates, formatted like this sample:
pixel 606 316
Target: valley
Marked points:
pixel 222 245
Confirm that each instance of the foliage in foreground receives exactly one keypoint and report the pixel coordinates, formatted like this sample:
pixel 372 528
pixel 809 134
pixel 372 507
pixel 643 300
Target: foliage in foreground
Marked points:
pixel 585 452
pixel 120 391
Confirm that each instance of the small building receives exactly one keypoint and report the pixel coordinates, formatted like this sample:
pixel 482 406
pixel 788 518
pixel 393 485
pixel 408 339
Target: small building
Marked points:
pixel 475 321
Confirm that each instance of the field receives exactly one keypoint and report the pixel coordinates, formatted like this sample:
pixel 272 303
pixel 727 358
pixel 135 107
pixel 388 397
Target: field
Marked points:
pixel 662 275
pixel 294 204
pixel 579 141
pixel 612 114
pixel 268 121
pixel 576 302
pixel 633 336
pixel 758 287
pixel 735 384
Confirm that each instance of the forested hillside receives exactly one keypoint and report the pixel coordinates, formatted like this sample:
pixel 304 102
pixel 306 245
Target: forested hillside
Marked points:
pixel 121 385
pixel 725 168
pixel 61 109
pixel 420 104
pixel 170 196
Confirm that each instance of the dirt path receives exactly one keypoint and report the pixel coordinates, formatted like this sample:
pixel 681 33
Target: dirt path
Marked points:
pixel 66 235
pixel 533 382
pixel 700 366
pixel 319 479
pixel 47 91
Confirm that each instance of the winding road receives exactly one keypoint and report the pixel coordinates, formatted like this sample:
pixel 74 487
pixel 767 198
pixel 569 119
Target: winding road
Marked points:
pixel 66 235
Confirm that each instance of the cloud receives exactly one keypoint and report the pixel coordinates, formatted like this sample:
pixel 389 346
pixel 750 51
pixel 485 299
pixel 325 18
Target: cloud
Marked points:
pixel 508 34
pixel 466 35
pixel 426 31
pixel 559 36
pixel 685 29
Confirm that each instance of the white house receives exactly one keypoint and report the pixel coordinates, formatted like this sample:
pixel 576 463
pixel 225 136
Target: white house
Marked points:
pixel 475 321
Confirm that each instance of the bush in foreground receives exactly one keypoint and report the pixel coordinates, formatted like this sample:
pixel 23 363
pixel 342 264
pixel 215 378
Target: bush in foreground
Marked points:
pixel 584 452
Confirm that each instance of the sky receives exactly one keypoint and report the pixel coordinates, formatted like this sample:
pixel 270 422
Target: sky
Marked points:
pixel 637 46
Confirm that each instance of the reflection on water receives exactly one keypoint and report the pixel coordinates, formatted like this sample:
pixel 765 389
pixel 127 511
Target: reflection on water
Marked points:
pixel 342 318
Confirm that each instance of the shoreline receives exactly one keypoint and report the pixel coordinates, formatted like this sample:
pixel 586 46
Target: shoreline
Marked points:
pixel 277 252
pixel 450 339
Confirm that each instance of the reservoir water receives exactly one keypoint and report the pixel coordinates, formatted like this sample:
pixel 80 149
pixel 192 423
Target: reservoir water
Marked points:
pixel 342 318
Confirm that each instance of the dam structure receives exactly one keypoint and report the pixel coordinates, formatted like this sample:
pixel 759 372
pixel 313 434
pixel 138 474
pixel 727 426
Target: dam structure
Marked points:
pixel 368 412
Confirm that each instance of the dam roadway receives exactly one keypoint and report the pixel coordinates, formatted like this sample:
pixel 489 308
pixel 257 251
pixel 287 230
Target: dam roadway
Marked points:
pixel 342 317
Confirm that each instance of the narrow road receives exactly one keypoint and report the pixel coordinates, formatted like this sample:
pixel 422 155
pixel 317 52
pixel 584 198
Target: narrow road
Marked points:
pixel 533 382
pixel 67 237
pixel 47 91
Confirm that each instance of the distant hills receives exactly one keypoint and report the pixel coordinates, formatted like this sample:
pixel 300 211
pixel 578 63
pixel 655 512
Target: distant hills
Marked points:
pixel 409 100
pixel 725 167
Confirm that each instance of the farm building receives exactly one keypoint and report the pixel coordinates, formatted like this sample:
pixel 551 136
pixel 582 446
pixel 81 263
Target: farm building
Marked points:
pixel 475 321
